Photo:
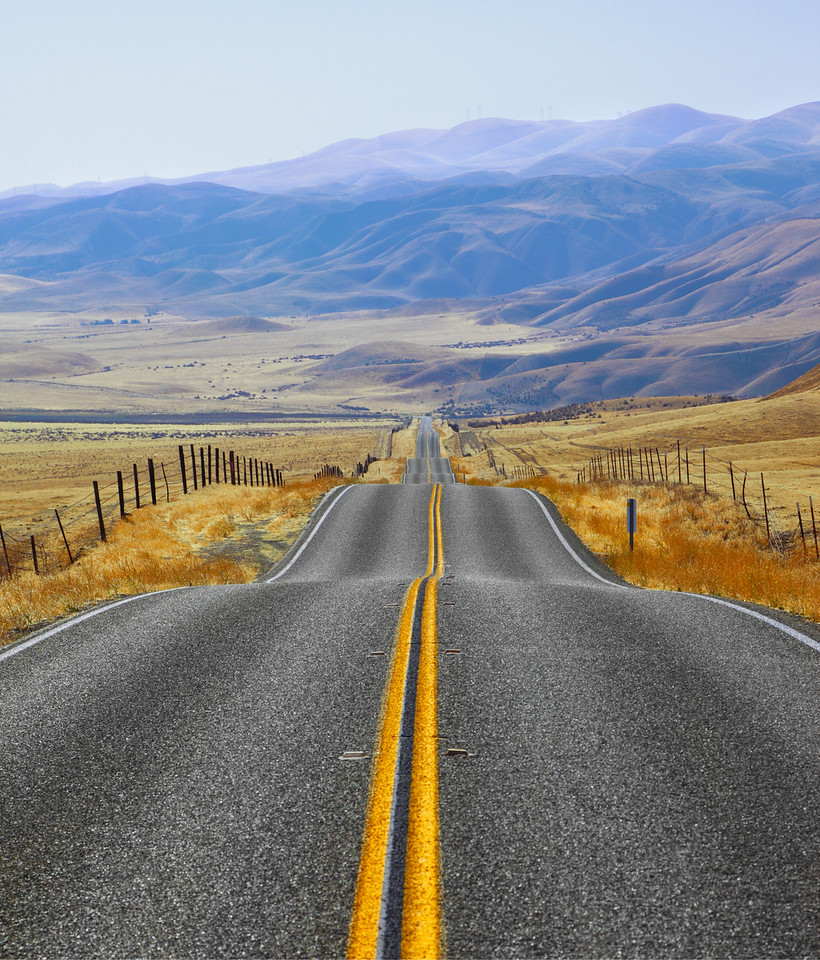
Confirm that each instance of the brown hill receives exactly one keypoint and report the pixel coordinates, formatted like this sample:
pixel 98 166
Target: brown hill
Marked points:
pixel 808 383
pixel 233 325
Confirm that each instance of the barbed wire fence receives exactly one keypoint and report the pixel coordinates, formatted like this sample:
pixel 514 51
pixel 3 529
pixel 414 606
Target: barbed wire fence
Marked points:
pixel 699 469
pixel 54 540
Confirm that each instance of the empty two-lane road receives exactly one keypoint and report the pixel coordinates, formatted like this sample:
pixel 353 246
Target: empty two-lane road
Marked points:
pixel 428 465
pixel 431 729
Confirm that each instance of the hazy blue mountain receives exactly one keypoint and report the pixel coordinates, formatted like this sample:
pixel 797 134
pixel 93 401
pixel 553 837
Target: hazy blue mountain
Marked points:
pixel 458 238
pixel 520 148
pixel 666 217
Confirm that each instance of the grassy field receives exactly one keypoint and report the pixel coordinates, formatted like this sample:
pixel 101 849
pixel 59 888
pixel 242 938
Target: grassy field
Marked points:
pixel 218 534
pixel 777 436
pixel 43 466
pixel 170 364
pixel 687 541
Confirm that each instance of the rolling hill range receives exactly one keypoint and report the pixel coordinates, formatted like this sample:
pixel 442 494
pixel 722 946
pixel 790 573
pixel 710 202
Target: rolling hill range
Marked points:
pixel 666 251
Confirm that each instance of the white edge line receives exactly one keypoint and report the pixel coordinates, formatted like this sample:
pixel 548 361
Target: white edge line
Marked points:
pixel 782 627
pixel 572 553
pixel 25 644
pixel 312 535
pixel 760 616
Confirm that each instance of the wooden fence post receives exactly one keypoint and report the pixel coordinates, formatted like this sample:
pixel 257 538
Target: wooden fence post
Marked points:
pixel 202 465
pixel 743 494
pixel 182 469
pixel 704 470
pixel 800 523
pixel 6 553
pixel 210 474
pixel 732 476
pixel 765 509
pixel 99 510
pixel 152 480
pixel 167 488
pixel 65 539
pixel 813 530
pixel 193 467
pixel 136 486
pixel 687 466
pixel 679 479
pixel 216 463
pixel 233 468
pixel 121 493
pixel 34 555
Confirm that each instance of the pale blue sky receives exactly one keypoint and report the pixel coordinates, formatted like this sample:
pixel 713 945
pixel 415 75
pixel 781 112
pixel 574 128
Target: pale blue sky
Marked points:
pixel 109 90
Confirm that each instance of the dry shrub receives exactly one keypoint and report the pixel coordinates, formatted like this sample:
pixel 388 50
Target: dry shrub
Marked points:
pixel 157 548
pixel 686 541
pixel 469 467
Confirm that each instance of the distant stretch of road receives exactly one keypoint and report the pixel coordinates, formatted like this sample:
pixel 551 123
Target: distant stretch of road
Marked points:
pixel 437 725
pixel 428 466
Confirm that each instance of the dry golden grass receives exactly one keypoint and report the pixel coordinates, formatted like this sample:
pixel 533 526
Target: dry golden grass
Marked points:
pixel 44 466
pixel 52 362
pixel 686 541
pixel 778 436
pixel 404 441
pixel 218 535
pixel 450 440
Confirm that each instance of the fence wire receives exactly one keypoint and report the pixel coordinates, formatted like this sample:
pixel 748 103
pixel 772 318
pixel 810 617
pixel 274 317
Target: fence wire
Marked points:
pixel 52 541
pixel 678 466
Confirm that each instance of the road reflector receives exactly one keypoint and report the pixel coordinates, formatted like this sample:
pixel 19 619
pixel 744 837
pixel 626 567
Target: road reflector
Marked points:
pixel 353 755
pixel 457 752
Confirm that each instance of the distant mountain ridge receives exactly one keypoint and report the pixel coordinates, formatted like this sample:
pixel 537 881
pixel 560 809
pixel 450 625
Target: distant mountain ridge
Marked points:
pixel 662 221
pixel 669 136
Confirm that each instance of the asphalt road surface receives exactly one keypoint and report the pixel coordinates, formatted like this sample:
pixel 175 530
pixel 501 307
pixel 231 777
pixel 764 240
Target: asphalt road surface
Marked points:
pixel 438 725
pixel 428 466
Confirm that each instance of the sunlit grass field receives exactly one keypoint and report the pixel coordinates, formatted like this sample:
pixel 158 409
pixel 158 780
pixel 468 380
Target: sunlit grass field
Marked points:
pixel 217 535
pixel 687 541
pixel 43 466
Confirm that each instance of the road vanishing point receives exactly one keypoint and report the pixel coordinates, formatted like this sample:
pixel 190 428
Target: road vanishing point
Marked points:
pixel 438 727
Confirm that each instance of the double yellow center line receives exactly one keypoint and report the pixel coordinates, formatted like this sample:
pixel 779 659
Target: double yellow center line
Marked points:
pixel 397 907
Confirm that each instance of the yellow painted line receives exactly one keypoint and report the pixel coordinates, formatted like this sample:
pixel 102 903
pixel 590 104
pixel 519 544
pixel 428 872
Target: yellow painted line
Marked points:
pixel 431 533
pixel 422 931
pixel 364 925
